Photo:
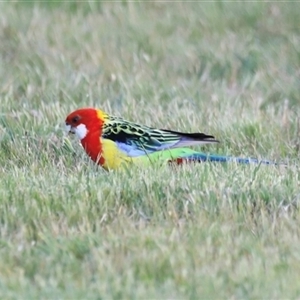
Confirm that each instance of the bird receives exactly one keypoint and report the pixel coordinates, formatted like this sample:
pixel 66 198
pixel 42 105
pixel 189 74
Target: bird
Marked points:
pixel 113 142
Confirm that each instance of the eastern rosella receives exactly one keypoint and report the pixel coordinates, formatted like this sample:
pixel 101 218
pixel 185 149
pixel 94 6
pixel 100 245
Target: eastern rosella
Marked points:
pixel 112 141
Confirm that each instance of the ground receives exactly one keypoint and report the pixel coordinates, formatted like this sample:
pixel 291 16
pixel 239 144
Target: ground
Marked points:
pixel 70 230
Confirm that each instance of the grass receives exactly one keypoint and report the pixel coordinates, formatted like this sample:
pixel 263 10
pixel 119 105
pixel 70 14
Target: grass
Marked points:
pixel 69 230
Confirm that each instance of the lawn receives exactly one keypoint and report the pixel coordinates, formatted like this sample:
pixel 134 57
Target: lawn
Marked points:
pixel 70 230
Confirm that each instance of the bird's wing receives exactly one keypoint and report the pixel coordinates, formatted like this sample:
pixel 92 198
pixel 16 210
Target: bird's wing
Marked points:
pixel 136 140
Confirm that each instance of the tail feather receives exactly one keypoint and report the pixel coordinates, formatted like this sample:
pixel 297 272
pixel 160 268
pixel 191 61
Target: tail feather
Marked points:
pixel 203 157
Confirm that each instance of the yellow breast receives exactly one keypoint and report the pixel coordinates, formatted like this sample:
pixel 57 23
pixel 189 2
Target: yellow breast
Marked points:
pixel 113 157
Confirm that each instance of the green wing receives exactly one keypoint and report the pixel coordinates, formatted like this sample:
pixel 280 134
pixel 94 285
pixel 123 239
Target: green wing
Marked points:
pixel 137 139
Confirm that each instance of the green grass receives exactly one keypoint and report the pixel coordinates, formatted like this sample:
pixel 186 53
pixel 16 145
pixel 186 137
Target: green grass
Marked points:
pixel 69 230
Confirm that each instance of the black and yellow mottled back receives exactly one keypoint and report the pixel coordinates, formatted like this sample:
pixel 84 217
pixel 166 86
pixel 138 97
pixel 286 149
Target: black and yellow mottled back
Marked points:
pixel 137 139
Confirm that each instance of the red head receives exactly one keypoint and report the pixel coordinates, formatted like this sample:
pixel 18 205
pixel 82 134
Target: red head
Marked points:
pixel 84 120
pixel 87 123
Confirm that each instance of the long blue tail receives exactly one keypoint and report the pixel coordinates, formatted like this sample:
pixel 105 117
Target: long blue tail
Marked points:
pixel 202 157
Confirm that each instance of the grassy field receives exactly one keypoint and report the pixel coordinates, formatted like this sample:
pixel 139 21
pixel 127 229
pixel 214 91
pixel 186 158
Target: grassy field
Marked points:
pixel 69 230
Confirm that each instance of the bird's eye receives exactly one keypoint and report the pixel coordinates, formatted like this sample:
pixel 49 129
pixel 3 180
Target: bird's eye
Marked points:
pixel 75 119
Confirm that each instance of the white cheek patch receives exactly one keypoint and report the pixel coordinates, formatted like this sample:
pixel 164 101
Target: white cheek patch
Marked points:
pixel 81 131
